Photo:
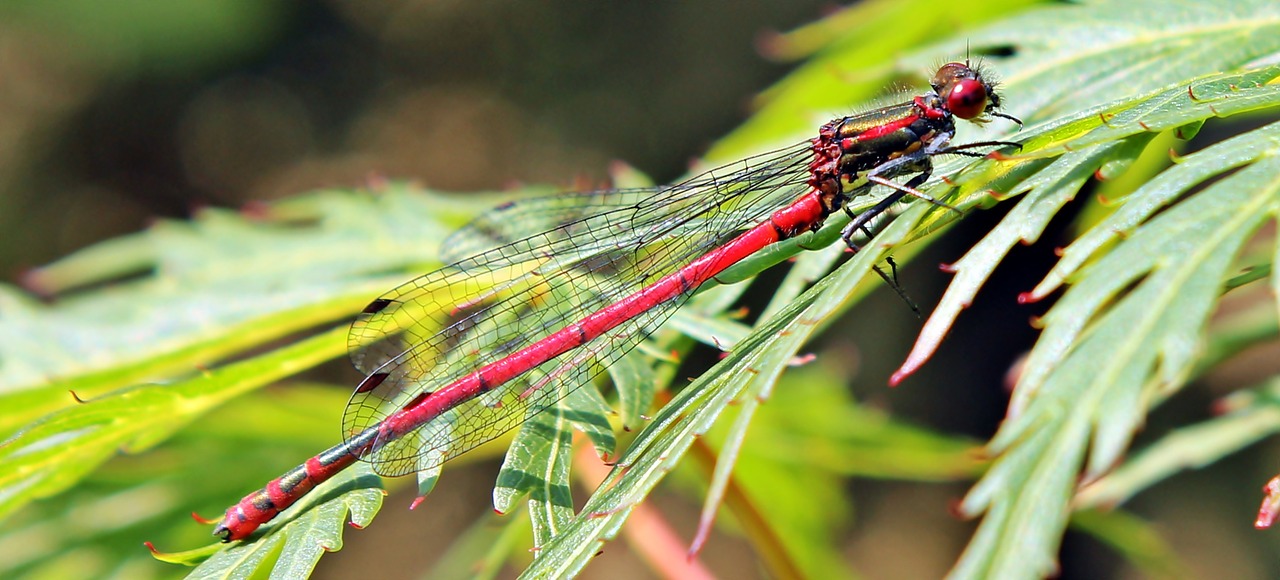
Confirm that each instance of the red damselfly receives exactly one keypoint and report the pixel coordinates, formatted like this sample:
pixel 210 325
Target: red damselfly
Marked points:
pixel 522 315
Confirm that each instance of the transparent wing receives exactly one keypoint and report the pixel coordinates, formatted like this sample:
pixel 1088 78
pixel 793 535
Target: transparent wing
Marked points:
pixel 535 267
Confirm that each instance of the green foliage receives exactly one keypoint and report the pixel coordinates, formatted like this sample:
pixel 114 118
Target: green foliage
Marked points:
pixel 57 451
pixel 1100 86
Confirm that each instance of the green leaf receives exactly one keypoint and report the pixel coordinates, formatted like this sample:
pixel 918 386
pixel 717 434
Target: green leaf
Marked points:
pixel 1096 82
pixel 809 268
pixel 1072 56
pixel 55 453
pixel 1158 193
pixel 292 544
pixel 756 362
pixel 804 441
pixel 1085 142
pixel 1138 541
pixel 588 412
pixel 215 287
pixel 1124 336
pixel 538 465
pixel 635 383
pixel 1252 415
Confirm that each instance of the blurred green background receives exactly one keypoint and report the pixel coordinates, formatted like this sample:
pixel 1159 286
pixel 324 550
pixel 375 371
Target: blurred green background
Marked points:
pixel 115 114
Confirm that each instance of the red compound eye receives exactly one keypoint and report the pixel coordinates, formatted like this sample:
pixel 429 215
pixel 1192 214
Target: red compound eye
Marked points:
pixel 967 99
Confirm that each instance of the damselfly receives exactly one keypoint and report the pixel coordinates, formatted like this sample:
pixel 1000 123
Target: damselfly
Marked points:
pixel 524 314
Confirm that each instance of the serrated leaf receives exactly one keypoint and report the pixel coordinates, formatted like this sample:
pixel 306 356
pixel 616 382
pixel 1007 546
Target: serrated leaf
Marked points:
pixel 717 332
pixel 213 287
pixel 1158 193
pixel 749 403
pixel 1086 142
pixel 57 452
pixel 758 360
pixel 537 465
pixel 1048 191
pixel 635 382
pixel 1063 59
pixel 1253 415
pixel 1073 56
pixel 588 412
pixel 293 543
pixel 1126 334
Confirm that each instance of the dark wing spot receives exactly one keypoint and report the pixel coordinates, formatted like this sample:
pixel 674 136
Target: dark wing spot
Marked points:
pixel 416 400
pixel 376 306
pixel 371 382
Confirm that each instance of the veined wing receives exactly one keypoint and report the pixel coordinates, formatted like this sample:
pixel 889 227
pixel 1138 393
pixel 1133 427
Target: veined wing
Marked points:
pixel 550 262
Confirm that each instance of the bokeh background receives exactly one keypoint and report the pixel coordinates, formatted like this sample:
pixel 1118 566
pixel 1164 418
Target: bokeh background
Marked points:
pixel 112 115
pixel 115 114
